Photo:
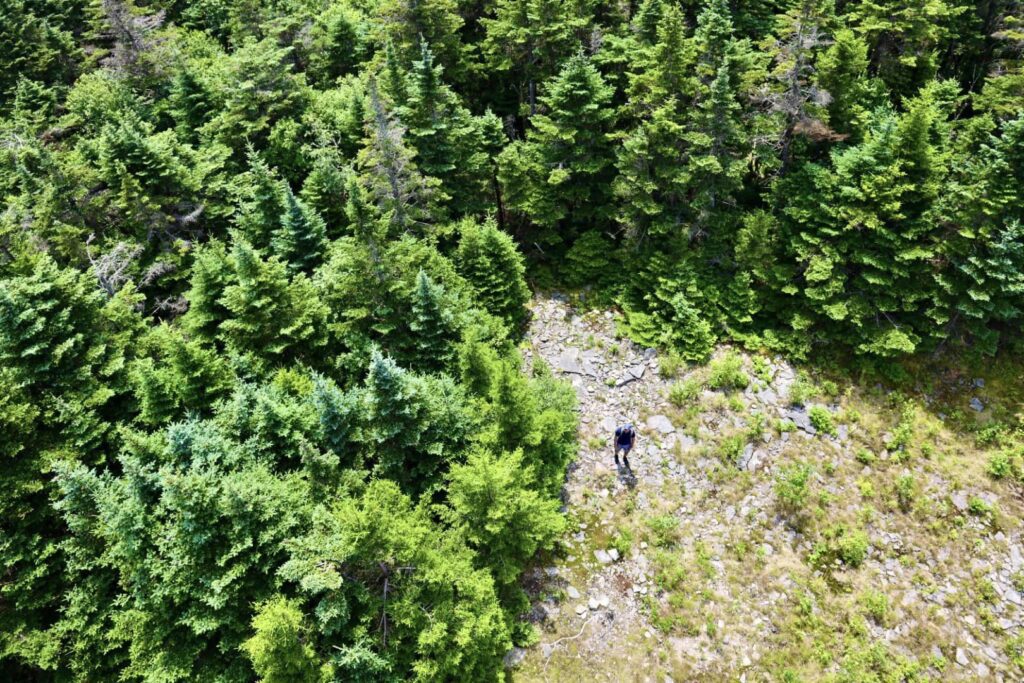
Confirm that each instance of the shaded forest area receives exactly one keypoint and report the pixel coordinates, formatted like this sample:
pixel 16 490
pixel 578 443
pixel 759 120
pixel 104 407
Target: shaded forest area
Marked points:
pixel 264 275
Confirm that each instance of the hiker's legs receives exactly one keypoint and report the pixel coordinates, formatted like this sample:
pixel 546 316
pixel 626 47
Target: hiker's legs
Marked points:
pixel 625 457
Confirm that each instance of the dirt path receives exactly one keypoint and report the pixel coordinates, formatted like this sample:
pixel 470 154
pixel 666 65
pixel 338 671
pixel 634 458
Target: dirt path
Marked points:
pixel 684 569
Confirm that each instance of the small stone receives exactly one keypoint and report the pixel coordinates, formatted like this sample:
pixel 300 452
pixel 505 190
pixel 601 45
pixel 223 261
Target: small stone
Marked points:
pixel 581 609
pixel 961 657
pixel 603 557
pixel 746 662
pixel 572 593
pixel 614 554
pixel 977 405
pixel 604 601
pixel 643 545
pixel 593 603
pixel 959 499
pixel 979 383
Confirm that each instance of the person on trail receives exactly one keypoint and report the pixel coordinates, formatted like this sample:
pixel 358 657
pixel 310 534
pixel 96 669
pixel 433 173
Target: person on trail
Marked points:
pixel 625 439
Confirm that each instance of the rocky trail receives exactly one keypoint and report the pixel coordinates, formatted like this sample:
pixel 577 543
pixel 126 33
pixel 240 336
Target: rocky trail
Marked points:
pixel 685 569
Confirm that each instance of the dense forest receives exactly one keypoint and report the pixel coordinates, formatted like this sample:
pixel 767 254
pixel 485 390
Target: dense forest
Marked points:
pixel 263 275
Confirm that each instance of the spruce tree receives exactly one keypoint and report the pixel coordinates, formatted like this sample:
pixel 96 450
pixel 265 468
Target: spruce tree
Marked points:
pixel 433 326
pixel 262 202
pixel 404 198
pixel 489 260
pixel 269 317
pixel 300 239
pixel 560 175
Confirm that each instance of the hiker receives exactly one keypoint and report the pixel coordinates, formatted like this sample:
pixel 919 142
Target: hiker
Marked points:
pixel 625 439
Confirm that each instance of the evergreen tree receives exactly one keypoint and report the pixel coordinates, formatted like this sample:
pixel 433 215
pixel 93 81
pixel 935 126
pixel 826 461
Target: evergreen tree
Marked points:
pixel 410 24
pixel 500 514
pixel 262 202
pixel 433 327
pixel 63 350
pixel 300 240
pixel 560 175
pixel 449 142
pixel 489 260
pixel 211 274
pixel 324 191
pixel 176 374
pixel 529 40
pixel 404 198
pixel 279 648
pixel 440 620
pixel 269 317
pixel 842 72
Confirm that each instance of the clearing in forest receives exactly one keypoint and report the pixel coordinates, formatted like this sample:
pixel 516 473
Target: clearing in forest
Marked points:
pixel 775 526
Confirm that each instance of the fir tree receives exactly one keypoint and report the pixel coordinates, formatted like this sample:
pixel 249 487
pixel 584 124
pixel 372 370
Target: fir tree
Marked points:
pixel 529 39
pixel 262 202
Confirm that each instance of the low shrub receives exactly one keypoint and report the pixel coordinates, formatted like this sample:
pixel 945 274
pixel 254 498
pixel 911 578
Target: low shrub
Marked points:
pixel 822 419
pixel 906 491
pixel 792 486
pixel 727 373
pixel 839 543
pixel 664 530
pixel 876 604
pixel 682 393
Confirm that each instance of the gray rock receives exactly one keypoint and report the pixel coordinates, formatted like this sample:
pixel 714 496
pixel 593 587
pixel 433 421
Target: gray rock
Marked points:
pixel 593 603
pixel 572 593
pixel 603 557
pixel 649 354
pixel 961 657
pixel 801 419
pixel 661 424
pixel 977 405
pixel 959 499
pixel 614 554
pixel 979 383
pixel 581 609
pixel 608 424
pixel 514 657
pixel 569 361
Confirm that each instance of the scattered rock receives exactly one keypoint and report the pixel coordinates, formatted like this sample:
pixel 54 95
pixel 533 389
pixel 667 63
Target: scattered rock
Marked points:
pixel 572 593
pixel 961 657
pixel 661 424
pixel 977 405
pixel 959 499
pixel 603 557
pixel 593 603
pixel 614 554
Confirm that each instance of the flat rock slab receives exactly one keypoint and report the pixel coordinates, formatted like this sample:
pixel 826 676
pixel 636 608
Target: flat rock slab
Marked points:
pixel 660 423
pixel 801 419
pixel 569 361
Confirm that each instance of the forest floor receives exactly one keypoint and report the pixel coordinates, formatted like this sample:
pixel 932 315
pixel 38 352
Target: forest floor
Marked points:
pixel 896 554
